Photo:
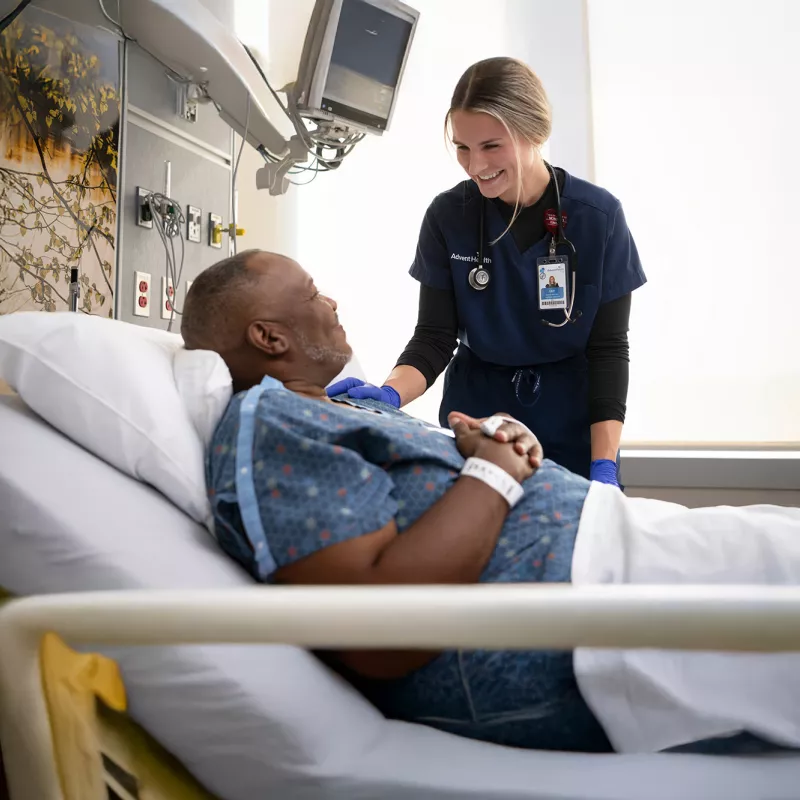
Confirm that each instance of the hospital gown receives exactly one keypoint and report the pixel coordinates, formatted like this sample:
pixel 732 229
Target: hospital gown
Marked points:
pixel 328 472
pixel 288 476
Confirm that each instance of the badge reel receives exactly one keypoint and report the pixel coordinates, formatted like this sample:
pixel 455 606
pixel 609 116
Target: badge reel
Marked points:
pixel 553 270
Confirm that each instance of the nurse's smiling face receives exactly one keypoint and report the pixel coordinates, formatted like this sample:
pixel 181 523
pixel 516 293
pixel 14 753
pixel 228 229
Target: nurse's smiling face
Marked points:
pixel 491 157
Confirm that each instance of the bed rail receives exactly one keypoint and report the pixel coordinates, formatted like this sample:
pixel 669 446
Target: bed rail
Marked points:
pixel 733 618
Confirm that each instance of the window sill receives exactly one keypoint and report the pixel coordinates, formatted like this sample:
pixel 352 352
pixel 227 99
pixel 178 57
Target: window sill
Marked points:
pixel 711 467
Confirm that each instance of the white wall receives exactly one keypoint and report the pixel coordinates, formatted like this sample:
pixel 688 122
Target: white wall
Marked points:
pixel 269 27
pixel 552 38
pixel 356 229
pixel 222 9
pixel 695 122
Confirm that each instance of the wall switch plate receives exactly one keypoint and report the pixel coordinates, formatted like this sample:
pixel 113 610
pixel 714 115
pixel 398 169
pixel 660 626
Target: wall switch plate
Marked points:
pixel 215 231
pixel 193 222
pixel 167 298
pixel 144 216
pixel 141 294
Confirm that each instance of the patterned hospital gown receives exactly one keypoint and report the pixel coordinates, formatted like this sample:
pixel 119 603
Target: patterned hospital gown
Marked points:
pixel 328 472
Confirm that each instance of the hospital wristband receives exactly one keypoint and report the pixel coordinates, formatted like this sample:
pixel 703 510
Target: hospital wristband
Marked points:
pixel 495 477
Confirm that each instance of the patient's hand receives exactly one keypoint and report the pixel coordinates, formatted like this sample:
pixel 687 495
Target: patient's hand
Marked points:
pixel 512 432
pixel 471 442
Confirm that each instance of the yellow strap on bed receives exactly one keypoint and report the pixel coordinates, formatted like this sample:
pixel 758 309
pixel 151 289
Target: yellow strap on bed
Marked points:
pixel 97 746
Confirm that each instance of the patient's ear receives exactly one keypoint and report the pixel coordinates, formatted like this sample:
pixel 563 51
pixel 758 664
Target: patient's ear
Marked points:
pixel 268 337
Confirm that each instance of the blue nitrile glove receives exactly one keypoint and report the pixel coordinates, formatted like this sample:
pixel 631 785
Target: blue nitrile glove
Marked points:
pixel 383 393
pixel 343 386
pixel 604 470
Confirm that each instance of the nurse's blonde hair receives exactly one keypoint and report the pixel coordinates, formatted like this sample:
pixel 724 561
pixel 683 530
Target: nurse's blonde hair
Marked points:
pixel 511 92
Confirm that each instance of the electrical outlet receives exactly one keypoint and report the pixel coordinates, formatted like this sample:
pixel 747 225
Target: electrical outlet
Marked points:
pixel 167 298
pixel 141 294
pixel 215 231
pixel 193 217
pixel 144 216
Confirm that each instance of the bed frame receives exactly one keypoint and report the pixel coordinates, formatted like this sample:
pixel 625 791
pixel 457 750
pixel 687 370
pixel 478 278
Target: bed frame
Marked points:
pixel 732 618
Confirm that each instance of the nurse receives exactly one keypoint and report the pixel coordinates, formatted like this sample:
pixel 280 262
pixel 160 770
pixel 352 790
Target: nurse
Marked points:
pixel 537 307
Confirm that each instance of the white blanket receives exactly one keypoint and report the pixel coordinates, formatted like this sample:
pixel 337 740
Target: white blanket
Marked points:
pixel 649 700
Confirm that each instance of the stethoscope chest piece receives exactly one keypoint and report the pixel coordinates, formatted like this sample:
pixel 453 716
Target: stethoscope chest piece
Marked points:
pixel 478 278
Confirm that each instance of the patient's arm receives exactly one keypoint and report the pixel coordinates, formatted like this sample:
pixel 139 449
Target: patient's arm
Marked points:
pixel 450 543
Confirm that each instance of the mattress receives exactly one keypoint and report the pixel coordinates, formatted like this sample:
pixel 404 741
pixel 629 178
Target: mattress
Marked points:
pixel 271 721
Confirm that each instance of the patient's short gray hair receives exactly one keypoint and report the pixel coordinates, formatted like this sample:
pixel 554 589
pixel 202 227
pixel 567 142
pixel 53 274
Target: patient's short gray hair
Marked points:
pixel 214 301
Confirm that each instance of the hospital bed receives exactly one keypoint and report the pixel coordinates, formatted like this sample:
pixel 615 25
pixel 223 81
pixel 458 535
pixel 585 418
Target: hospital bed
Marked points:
pixel 99 547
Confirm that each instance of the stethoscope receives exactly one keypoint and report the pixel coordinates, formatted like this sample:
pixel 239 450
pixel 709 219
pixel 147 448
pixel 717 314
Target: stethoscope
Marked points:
pixel 479 276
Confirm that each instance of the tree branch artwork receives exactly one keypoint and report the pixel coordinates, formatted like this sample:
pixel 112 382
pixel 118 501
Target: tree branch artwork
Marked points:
pixel 59 131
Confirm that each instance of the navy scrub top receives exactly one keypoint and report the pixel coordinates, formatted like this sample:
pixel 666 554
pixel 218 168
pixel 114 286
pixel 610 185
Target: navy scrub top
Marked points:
pixel 502 324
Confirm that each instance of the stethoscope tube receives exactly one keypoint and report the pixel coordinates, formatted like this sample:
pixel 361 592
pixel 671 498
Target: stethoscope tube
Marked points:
pixel 479 276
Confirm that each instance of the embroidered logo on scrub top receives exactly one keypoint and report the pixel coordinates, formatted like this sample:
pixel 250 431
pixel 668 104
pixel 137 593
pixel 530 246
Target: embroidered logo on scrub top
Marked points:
pixel 473 259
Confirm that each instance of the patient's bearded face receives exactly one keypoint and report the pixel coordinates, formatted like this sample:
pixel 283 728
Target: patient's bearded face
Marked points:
pixel 325 353
pixel 315 323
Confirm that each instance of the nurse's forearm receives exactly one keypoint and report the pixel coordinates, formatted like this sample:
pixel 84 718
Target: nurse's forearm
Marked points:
pixel 605 439
pixel 408 382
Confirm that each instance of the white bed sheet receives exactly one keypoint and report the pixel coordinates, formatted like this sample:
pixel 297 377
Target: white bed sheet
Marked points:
pixel 270 721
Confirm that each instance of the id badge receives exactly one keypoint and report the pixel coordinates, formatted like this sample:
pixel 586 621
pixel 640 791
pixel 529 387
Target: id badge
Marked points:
pixel 552 274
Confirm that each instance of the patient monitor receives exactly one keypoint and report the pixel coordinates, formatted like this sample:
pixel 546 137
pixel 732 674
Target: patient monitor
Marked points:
pixel 353 61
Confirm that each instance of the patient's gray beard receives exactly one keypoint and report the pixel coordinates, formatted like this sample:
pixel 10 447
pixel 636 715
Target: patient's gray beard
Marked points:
pixel 322 354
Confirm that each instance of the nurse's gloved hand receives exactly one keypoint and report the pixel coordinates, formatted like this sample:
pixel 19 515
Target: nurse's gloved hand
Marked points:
pixel 343 386
pixel 383 393
pixel 604 470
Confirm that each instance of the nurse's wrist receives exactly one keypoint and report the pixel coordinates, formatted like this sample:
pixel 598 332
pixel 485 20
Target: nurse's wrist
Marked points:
pixel 604 470
pixel 392 395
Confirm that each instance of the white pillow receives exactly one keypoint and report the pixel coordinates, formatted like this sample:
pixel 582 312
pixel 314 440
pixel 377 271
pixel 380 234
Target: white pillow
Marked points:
pixel 132 396
pixel 110 387
pixel 205 386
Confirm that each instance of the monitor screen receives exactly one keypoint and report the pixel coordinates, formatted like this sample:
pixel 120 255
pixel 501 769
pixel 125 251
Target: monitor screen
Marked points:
pixel 366 62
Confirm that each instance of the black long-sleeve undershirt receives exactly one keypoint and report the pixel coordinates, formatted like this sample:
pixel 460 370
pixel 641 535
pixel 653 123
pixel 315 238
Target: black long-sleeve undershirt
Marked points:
pixel 436 335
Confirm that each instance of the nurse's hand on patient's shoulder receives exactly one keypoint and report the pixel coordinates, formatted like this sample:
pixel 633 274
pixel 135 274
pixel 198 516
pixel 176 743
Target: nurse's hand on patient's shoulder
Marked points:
pixel 603 470
pixel 343 386
pixel 472 442
pixel 511 432
pixel 386 394
pixel 358 389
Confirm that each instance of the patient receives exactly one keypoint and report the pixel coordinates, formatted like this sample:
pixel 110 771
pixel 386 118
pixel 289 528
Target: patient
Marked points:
pixel 308 489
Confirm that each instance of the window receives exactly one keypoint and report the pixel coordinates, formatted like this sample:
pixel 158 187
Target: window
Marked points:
pixel 695 117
